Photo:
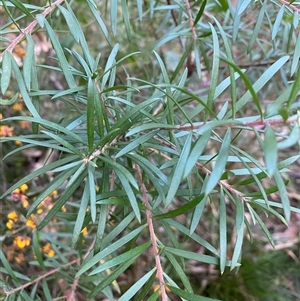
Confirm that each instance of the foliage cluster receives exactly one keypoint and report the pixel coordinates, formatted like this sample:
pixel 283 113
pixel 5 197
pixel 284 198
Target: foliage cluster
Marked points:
pixel 166 131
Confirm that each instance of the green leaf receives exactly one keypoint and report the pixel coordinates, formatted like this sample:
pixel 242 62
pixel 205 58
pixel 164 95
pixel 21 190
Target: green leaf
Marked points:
pixel 223 232
pixel 239 227
pixel 183 209
pixel 91 262
pixel 37 249
pixel 179 170
pixel 135 143
pixel 180 272
pixel 92 190
pixel 126 18
pixel 278 22
pixel 249 86
pixel 137 286
pixel 6 71
pixel 112 277
pixel 72 24
pixel 130 194
pixel 215 68
pixel 61 56
pixel 36 173
pixel 23 90
pixel 260 83
pixel 91 99
pixel 121 258
pixel 220 164
pixel 29 62
pixel 81 214
pixel 270 150
pixel 295 90
pixel 258 26
pixel 53 185
pixel 189 296
pixel 9 102
pixel 109 64
pixel 200 12
pixel 114 16
pixel 196 152
pixel 22 8
pixel 283 195
pixel 62 200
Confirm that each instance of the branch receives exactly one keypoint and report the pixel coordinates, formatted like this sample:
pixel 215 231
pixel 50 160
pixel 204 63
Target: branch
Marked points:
pixel 30 27
pixel 152 233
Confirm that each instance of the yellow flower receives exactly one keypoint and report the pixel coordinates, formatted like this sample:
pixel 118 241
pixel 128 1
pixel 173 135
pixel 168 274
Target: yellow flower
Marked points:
pixel 13 216
pixel 84 231
pixel 10 224
pixel 23 188
pixel 1 116
pixel 6 131
pixel 22 241
pixel 18 143
pixel 48 250
pixel 31 223
pixel 25 202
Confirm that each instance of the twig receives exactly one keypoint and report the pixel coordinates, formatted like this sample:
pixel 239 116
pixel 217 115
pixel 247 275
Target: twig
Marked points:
pixel 188 7
pixel 30 27
pixel 47 274
pixel 288 4
pixel 152 233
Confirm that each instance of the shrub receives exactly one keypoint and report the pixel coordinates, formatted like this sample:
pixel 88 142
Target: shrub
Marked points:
pixel 165 130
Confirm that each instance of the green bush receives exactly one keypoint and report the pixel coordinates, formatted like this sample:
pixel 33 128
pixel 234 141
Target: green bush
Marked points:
pixel 160 135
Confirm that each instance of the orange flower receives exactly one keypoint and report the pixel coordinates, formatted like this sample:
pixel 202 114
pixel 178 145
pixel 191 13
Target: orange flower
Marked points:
pixel 6 131
pixel 24 124
pixel 18 106
pixel 20 258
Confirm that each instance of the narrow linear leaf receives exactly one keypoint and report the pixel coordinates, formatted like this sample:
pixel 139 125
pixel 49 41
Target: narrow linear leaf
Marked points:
pixel 220 164
pixel 110 278
pixel 81 214
pixel 91 113
pixel 121 258
pixel 130 194
pixel 215 68
pixel 270 150
pixel 22 8
pixel 278 22
pixel 92 190
pixel 183 209
pixel 61 56
pixel 136 287
pixel 178 172
pixel 239 226
pixel 283 195
pixel 6 71
pixel 108 250
pixel 196 152
pixel 189 296
pixel 223 232
pixel 61 201
pixel 72 24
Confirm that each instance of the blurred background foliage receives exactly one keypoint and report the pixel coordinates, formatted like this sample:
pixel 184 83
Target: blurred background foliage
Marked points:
pixel 171 78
